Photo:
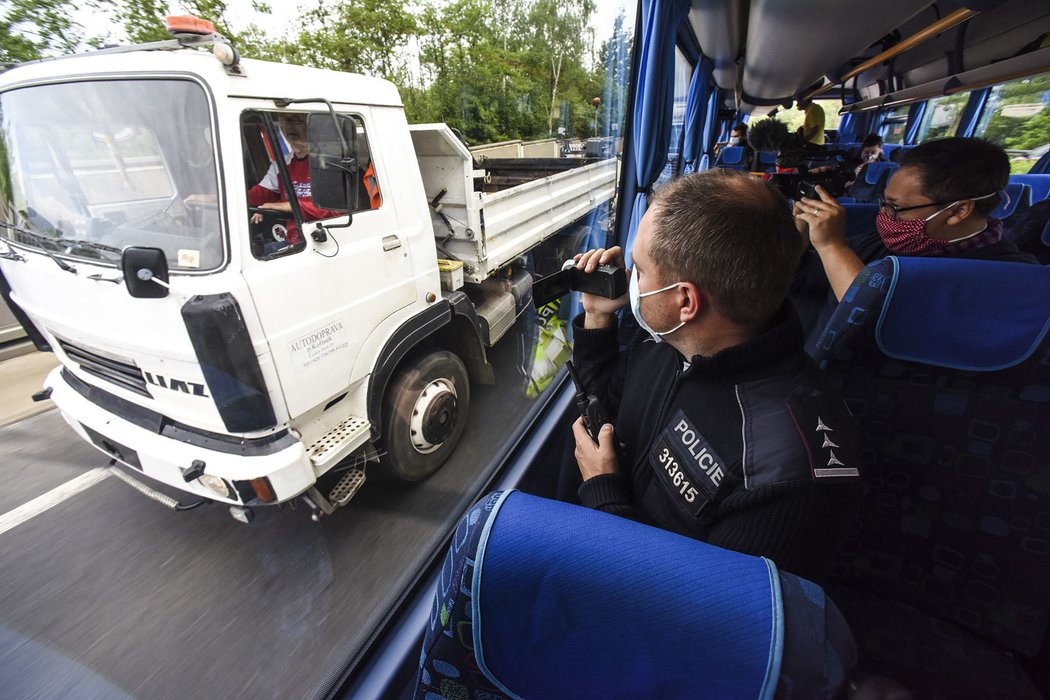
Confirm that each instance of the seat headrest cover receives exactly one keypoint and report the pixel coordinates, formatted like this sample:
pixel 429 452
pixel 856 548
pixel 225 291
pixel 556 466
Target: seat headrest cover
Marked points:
pixel 874 171
pixel 964 314
pixel 731 155
pixel 571 603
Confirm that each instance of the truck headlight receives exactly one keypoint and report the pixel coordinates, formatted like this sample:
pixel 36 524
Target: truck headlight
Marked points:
pixel 215 484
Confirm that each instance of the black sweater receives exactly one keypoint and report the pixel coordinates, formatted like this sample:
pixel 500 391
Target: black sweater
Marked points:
pixel 740 431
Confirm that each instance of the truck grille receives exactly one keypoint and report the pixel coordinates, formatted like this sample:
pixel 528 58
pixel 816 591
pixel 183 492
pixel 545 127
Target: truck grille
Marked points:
pixel 123 374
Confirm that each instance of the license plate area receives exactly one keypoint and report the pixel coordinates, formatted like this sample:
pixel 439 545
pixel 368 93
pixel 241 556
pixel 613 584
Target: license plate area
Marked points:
pixel 114 449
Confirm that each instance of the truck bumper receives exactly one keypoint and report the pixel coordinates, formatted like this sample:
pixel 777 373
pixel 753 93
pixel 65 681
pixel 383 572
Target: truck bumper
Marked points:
pixel 161 449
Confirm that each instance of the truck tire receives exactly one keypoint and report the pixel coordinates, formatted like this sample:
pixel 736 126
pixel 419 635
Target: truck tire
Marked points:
pixel 424 413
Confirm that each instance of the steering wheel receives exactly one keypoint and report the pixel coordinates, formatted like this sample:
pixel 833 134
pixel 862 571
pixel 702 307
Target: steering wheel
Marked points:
pixel 273 224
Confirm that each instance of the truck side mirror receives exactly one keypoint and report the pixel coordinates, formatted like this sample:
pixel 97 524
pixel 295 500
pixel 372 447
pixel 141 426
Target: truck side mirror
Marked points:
pixel 145 272
pixel 334 171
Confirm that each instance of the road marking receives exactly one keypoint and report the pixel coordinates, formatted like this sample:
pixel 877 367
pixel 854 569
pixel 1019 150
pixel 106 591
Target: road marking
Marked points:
pixel 52 498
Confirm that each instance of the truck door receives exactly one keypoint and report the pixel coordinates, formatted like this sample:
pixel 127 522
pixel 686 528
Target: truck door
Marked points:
pixel 318 301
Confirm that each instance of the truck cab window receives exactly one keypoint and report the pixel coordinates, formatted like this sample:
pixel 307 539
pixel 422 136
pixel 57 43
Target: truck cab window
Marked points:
pixel 277 161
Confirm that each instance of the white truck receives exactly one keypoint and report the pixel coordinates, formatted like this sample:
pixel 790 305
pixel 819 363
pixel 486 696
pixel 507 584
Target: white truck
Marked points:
pixel 238 351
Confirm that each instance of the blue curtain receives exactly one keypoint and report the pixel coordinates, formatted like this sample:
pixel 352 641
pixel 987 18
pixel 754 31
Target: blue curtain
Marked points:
pixel 846 126
pixel 1042 165
pixel 711 121
pixel 695 115
pixel 972 112
pixel 653 105
pixel 911 127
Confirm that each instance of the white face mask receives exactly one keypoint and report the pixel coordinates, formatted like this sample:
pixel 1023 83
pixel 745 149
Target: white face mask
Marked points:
pixel 636 306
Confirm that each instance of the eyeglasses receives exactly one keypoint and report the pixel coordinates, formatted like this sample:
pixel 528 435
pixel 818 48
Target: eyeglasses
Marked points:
pixel 893 211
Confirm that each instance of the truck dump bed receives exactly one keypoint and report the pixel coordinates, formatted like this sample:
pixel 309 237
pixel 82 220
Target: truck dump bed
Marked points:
pixel 488 229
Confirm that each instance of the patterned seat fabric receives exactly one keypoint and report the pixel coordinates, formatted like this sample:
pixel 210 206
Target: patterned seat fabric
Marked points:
pixel 448 665
pixel 935 659
pixel 945 364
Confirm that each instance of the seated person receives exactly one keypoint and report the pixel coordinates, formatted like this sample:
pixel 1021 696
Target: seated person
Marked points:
pixel 870 152
pixel 737 137
pixel 730 434
pixel 270 194
pixel 937 204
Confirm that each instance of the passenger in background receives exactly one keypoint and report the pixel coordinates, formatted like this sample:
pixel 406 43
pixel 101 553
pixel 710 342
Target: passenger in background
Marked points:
pixel 937 204
pixel 870 152
pixel 730 434
pixel 812 129
pixel 737 137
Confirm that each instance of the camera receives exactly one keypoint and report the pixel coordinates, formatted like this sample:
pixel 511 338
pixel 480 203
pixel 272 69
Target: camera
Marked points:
pixel 814 165
pixel 606 281
pixel 798 185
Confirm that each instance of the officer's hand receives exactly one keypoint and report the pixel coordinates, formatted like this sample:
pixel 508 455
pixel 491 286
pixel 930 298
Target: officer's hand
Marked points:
pixel 825 218
pixel 595 459
pixel 599 310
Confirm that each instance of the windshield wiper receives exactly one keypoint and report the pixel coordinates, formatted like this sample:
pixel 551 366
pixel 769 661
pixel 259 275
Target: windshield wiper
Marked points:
pixel 39 236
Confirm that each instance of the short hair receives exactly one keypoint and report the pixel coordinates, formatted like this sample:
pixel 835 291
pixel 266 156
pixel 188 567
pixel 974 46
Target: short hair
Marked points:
pixel 871 140
pixel 741 127
pixel 730 234
pixel 960 168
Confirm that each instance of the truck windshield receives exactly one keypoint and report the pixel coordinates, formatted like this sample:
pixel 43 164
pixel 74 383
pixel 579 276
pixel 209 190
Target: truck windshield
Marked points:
pixel 89 168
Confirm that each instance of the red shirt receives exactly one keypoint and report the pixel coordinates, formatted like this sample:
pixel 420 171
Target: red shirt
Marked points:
pixel 271 189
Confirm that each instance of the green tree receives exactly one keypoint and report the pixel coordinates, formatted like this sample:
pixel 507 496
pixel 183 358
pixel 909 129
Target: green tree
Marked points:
pixel 32 29
pixel 559 31
pixel 358 36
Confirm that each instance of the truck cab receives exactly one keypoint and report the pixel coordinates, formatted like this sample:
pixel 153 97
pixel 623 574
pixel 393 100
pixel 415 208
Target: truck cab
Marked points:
pixel 253 359
pixel 237 263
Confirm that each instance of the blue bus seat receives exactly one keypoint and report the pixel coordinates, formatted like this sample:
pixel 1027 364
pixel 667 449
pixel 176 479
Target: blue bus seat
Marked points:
pixel 871 181
pixel 1039 182
pixel 543 599
pixel 889 148
pixel 945 365
pixel 1018 199
pixel 767 159
pixel 860 218
pixel 732 157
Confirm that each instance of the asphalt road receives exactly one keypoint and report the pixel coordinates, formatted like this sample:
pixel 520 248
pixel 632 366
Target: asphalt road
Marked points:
pixel 110 594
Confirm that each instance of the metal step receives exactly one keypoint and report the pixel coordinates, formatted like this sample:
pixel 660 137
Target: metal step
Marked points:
pixel 348 486
pixel 336 443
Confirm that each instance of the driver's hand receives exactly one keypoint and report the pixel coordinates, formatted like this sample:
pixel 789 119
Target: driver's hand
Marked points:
pixel 824 217
pixel 285 207
pixel 600 312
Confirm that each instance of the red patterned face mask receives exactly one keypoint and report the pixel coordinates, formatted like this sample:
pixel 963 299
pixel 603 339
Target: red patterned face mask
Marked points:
pixel 907 236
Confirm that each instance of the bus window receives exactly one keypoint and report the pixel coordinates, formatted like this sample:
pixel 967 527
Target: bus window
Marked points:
pixel 682 74
pixel 893 124
pixel 1017 117
pixel 942 116
pixel 794 117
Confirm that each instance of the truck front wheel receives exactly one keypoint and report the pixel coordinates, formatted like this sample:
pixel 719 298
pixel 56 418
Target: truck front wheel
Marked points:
pixel 424 413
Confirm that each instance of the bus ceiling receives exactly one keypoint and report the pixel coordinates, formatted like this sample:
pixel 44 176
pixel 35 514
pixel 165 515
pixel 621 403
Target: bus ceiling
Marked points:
pixel 767 52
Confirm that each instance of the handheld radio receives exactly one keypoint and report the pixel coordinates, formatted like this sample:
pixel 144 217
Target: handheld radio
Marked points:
pixel 589 405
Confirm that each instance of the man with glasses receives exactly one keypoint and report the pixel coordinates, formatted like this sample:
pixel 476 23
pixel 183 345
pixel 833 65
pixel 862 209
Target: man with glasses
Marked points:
pixel 729 432
pixel 937 204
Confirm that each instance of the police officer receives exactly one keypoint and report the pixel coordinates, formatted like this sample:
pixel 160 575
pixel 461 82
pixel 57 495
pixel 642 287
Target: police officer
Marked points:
pixel 728 432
